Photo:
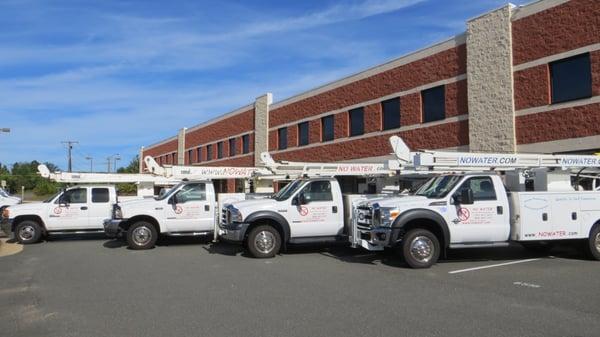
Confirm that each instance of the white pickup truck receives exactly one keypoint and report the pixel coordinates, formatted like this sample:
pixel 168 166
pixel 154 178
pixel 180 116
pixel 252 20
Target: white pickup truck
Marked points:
pixel 76 210
pixel 7 199
pixel 306 210
pixel 187 209
pixel 476 210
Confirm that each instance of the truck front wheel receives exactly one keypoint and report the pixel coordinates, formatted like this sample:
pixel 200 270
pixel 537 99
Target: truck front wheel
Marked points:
pixel 593 244
pixel 263 242
pixel 28 232
pixel 141 235
pixel 420 248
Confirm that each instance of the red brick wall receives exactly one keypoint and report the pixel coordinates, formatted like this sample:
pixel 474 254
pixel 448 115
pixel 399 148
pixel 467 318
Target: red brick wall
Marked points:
pixel 443 65
pixel 372 117
pixel 581 121
pixel 456 99
pixel 340 123
pixel 532 87
pixel 238 124
pixel 160 150
pixel 595 59
pixel 434 137
pixel 558 29
pixel 410 107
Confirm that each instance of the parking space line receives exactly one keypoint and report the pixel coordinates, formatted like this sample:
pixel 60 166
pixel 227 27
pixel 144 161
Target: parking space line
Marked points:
pixel 491 266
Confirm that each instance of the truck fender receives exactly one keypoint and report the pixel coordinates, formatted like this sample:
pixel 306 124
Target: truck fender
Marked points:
pixel 401 222
pixel 271 216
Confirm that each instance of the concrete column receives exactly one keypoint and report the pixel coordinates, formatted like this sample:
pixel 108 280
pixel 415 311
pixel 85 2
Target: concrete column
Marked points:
pixel 181 146
pixel 261 126
pixel 490 82
pixel 141 157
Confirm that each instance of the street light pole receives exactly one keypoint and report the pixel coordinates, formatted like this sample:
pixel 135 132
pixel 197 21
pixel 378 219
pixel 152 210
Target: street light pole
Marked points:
pixel 116 158
pixel 109 159
pixel 91 163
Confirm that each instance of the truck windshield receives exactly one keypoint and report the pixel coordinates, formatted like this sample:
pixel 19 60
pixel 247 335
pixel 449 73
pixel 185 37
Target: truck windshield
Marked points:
pixel 53 196
pixel 438 187
pixel 287 190
pixel 169 192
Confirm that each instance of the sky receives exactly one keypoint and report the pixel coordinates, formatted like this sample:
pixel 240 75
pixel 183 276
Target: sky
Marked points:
pixel 117 75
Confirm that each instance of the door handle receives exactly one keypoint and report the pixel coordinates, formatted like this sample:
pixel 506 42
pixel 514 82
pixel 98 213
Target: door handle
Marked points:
pixel 83 208
pixel 545 216
pixel 574 216
pixel 334 209
pixel 207 208
pixel 500 210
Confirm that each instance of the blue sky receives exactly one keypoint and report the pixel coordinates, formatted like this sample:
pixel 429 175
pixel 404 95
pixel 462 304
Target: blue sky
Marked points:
pixel 116 75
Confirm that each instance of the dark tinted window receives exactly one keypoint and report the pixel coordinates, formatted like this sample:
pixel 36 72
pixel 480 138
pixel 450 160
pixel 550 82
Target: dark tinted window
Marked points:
pixel 100 195
pixel 391 113
pixel 191 192
pixel 571 78
pixel 220 150
pixel 174 160
pixel 434 107
pixel 209 152
pixel 282 138
pixel 190 156
pixel 318 191
pixel 482 187
pixel 232 149
pixel 357 121
pixel 246 143
pixel 199 154
pixel 327 128
pixel 303 133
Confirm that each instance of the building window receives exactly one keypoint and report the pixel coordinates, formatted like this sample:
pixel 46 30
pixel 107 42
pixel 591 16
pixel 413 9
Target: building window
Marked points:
pixel 357 121
pixel 174 160
pixel 209 152
pixel 199 154
pixel 190 156
pixel 302 133
pixel 571 78
pixel 327 128
pixel 245 144
pixel 434 104
pixel 232 147
pixel 390 114
pixel 282 138
pixel 219 150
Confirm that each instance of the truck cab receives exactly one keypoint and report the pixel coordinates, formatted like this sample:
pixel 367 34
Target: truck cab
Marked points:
pixel 7 199
pixel 75 210
pixel 306 210
pixel 187 209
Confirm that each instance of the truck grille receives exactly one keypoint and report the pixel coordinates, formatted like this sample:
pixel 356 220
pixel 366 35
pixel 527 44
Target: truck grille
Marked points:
pixel 225 216
pixel 364 217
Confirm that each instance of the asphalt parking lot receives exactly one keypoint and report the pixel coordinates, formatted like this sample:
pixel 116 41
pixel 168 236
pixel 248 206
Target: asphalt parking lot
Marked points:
pixel 97 287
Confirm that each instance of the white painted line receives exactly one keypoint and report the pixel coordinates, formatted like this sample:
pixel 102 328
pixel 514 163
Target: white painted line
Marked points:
pixel 491 266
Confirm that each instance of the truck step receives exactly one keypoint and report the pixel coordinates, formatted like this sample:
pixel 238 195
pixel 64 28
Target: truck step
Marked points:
pixel 189 233
pixel 80 231
pixel 479 244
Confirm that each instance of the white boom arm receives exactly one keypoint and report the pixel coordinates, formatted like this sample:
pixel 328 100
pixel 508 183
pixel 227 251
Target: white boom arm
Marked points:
pixel 202 172
pixel 114 178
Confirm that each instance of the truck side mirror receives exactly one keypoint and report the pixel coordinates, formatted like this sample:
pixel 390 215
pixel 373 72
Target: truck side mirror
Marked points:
pixel 303 199
pixel 63 200
pixel 173 200
pixel 466 196
pixel 295 201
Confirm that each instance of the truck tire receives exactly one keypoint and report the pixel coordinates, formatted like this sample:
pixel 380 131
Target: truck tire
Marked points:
pixel 263 242
pixel 28 232
pixel 420 248
pixel 593 243
pixel 141 235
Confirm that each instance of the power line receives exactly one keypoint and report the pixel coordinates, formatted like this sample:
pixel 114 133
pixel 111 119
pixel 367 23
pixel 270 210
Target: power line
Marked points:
pixel 70 144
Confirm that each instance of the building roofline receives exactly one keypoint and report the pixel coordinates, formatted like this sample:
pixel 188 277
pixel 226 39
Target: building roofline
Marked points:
pixel 531 8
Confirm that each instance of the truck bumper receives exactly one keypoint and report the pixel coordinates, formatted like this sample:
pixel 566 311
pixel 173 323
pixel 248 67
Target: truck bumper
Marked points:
pixel 6 227
pixel 112 227
pixel 233 232
pixel 375 238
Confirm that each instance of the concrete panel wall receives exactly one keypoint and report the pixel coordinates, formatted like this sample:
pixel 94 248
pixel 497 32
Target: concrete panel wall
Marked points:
pixel 490 82
pixel 261 126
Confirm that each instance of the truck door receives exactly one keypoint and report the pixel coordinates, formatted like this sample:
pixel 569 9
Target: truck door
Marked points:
pixel 189 210
pixel 69 211
pixel 320 215
pixel 486 219
pixel 99 208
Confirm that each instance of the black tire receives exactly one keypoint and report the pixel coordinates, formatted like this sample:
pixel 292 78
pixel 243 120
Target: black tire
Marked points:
pixel 592 248
pixel 141 235
pixel 420 248
pixel 28 232
pixel 263 242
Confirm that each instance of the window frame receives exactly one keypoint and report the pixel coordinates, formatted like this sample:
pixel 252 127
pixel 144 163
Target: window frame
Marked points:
pixel 387 103
pixel 209 152
pixel 554 78
pixel 199 154
pixel 232 147
pixel 245 144
pixel 426 105
pixel 352 115
pixel 107 195
pixel 323 133
pixel 282 138
pixel 307 130
pixel 220 150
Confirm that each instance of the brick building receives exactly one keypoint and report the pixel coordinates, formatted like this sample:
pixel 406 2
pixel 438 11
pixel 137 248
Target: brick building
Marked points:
pixel 521 79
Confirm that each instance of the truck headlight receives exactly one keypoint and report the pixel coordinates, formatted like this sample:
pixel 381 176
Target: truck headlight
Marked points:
pixel 117 212
pixel 236 215
pixel 388 215
pixel 5 213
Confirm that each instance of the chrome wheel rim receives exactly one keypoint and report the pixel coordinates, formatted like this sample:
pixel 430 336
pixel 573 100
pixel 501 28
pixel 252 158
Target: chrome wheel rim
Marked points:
pixel 141 235
pixel 26 233
pixel 597 242
pixel 422 249
pixel 264 242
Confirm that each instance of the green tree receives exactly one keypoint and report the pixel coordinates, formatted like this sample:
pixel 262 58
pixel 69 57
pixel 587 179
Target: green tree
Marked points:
pixel 133 167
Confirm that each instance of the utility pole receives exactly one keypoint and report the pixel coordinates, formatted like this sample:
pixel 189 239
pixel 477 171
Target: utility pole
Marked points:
pixel 70 144
pixel 110 159
pixel 91 163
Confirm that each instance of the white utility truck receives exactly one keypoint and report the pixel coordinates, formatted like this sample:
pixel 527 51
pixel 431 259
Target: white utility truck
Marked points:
pixel 499 198
pixel 7 199
pixel 309 209
pixel 78 209
pixel 187 209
